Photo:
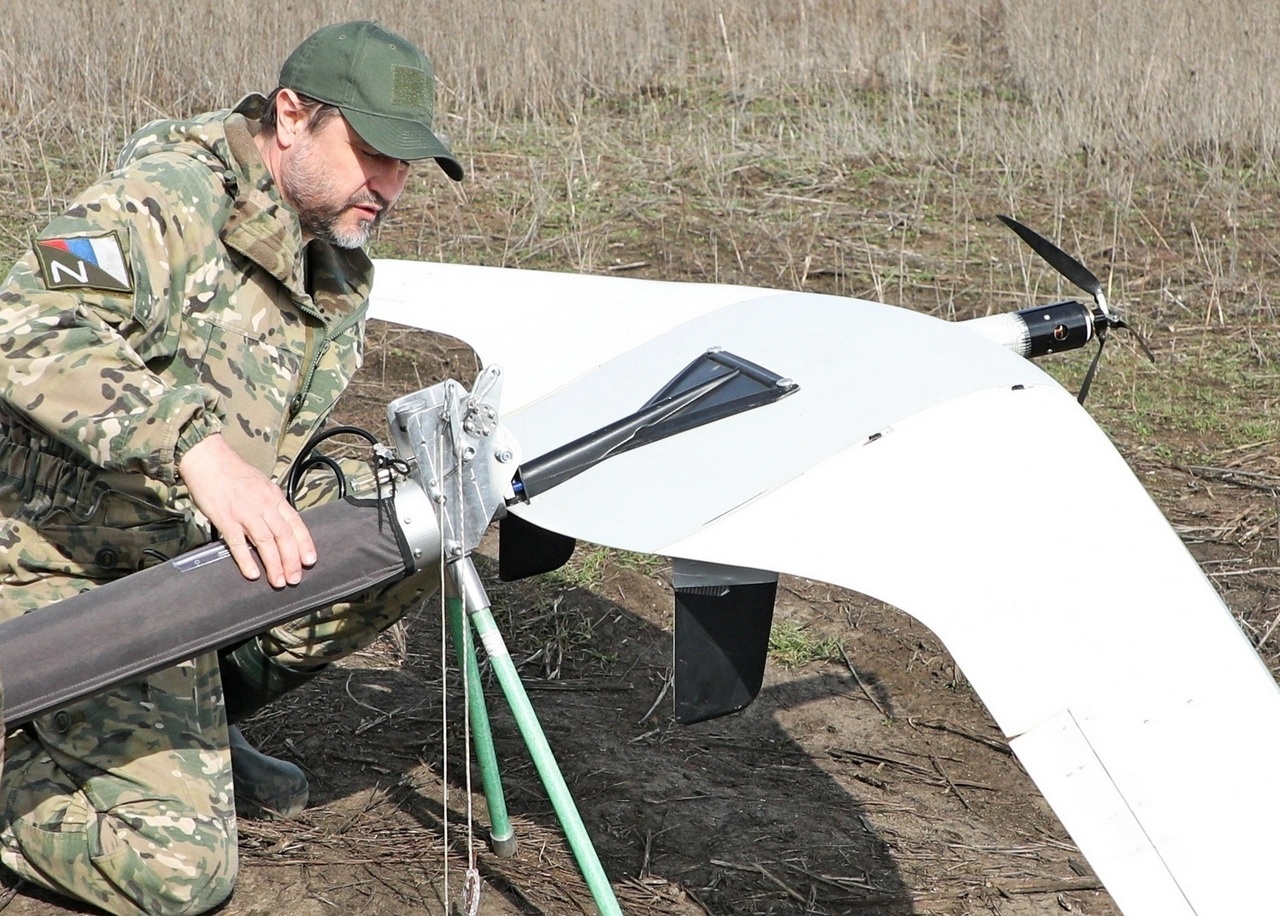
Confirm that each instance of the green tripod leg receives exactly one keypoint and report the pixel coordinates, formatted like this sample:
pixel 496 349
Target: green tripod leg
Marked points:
pixel 502 839
pixel 466 583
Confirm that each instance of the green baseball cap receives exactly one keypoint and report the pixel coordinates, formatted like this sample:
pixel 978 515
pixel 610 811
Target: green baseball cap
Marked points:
pixel 383 85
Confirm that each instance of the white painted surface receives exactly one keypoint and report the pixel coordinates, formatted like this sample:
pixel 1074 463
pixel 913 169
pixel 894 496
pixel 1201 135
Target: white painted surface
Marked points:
pixel 545 329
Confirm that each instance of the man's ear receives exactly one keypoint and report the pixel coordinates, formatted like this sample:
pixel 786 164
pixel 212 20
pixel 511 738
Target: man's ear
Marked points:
pixel 292 118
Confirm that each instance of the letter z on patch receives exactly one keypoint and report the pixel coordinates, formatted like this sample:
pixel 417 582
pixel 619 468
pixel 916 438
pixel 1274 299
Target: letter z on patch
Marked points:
pixel 84 262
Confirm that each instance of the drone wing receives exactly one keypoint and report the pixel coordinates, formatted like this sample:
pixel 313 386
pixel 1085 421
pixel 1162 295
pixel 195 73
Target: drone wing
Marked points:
pixel 920 464
pixel 544 328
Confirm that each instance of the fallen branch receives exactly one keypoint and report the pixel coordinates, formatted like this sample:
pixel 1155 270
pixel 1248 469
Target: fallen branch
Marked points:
pixel 1248 479
pixel 937 765
pixel 761 870
pixel 666 685
pixel 938 725
pixel 1051 885
pixel 1013 888
pixel 582 685
pixel 865 690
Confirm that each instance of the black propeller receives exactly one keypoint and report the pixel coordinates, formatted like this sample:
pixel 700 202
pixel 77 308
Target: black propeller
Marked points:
pixel 1079 275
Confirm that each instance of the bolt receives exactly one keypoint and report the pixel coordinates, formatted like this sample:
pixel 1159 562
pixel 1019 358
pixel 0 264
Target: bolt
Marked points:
pixel 505 455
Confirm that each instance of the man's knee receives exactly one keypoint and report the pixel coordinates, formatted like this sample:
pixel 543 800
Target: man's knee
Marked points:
pixel 167 862
pixel 118 844
pixel 136 861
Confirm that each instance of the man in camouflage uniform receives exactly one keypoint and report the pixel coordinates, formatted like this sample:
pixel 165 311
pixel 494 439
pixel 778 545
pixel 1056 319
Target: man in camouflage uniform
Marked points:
pixel 170 344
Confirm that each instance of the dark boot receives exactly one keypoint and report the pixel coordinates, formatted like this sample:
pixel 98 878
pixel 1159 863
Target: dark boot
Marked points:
pixel 264 785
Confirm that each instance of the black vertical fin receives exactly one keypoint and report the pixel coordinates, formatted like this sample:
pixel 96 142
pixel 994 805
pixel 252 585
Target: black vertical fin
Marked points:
pixel 524 549
pixel 723 618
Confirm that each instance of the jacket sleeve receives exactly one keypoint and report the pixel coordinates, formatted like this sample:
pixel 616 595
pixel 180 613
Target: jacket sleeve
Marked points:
pixel 90 336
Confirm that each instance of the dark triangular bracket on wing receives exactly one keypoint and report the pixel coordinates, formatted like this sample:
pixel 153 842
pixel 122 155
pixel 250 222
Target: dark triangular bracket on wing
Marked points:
pixel 717 384
pixel 741 386
pixel 723 618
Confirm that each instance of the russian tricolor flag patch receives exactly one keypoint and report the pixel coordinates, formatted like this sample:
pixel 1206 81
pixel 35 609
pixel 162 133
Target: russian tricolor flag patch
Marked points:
pixel 84 262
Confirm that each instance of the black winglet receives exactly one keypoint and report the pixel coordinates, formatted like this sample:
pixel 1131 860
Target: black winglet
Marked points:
pixel 525 549
pixel 721 644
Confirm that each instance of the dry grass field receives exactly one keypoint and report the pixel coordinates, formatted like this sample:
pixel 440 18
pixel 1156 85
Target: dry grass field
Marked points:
pixel 857 148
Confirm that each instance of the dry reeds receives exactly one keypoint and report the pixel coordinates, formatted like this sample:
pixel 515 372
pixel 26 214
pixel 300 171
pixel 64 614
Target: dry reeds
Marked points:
pixel 815 144
pixel 843 78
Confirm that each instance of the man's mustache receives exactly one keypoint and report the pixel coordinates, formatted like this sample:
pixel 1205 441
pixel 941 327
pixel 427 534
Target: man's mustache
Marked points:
pixel 369 197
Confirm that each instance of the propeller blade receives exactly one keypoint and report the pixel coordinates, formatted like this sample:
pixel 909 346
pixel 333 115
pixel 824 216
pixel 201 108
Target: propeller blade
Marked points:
pixel 1093 369
pixel 1084 278
pixel 1137 335
pixel 1058 259
pixel 723 618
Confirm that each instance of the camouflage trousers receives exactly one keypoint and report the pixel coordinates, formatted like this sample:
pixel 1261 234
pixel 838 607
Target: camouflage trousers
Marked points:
pixel 125 801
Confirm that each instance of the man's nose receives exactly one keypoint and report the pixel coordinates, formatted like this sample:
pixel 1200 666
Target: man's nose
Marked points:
pixel 388 181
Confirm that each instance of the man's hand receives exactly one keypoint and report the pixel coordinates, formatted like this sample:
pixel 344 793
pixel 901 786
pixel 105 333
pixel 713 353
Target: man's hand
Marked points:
pixel 247 508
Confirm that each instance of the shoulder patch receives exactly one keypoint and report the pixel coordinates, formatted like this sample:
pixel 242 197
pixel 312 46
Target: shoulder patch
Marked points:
pixel 84 262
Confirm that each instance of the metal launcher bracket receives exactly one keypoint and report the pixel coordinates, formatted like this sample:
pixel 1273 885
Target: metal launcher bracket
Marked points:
pixel 460 455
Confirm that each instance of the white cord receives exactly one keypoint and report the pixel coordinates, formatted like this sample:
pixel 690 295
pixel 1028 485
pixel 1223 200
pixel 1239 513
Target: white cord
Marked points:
pixel 472 883
pixel 471 887
pixel 444 692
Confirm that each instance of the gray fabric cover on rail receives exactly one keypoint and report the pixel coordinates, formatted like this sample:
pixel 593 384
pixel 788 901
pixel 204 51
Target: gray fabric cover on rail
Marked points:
pixel 192 604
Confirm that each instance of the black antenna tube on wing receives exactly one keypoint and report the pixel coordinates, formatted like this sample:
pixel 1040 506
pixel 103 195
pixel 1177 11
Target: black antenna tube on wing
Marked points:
pixel 557 466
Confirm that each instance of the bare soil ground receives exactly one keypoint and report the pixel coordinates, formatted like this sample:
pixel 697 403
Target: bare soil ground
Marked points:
pixel 873 782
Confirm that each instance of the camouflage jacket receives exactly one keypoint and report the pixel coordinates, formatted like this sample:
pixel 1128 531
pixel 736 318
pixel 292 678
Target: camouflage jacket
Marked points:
pixel 174 299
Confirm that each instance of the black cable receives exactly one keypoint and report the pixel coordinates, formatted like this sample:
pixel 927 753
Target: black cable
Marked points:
pixel 307 462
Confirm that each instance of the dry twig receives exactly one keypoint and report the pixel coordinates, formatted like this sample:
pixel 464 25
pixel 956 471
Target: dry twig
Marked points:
pixel 870 695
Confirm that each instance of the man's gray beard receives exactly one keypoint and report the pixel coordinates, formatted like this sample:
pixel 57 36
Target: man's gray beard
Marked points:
pixel 326 227
pixel 304 183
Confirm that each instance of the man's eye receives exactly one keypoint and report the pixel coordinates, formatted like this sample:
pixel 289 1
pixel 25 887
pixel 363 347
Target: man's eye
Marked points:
pixel 380 158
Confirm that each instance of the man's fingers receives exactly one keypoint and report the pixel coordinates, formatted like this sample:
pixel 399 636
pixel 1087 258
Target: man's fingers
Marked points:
pixel 243 556
pixel 277 552
pixel 247 508
pixel 278 549
pixel 300 534
pixel 283 543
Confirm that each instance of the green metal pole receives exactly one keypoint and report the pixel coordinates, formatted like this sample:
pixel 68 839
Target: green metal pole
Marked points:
pixel 502 839
pixel 467 584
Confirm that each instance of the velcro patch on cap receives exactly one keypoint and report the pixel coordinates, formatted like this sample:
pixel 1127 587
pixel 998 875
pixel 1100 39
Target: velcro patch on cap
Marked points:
pixel 84 262
pixel 409 86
